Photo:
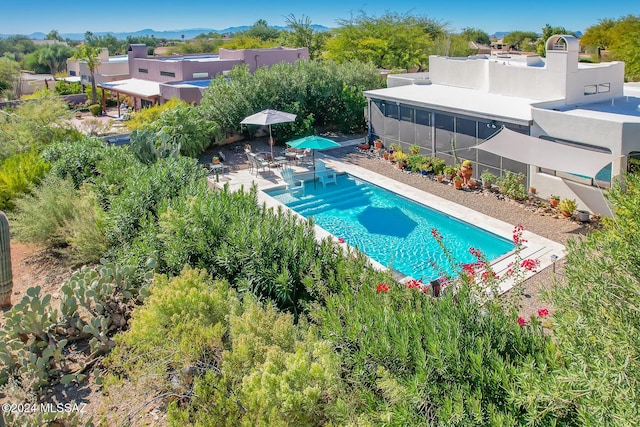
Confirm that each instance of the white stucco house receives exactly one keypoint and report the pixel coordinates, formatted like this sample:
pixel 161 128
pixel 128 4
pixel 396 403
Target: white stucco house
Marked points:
pixel 570 127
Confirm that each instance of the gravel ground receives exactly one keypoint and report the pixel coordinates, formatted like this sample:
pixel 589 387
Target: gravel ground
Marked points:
pixel 535 214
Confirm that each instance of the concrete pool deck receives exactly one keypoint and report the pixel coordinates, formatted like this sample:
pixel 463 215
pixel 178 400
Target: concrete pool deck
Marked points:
pixel 537 247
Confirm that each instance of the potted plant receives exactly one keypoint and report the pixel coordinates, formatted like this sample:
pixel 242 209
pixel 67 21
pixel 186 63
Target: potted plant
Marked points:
pixel 215 160
pixel 567 206
pixel 440 177
pixel 533 190
pixel 437 165
pixel 377 143
pixel 583 216
pixel 554 200
pixel 414 149
pixel 488 179
pixel 449 171
pixel 472 184
pixel 385 155
pixel 457 182
pixel 401 159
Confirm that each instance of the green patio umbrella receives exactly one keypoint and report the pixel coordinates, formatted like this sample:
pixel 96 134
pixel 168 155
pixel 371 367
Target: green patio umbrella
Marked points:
pixel 314 143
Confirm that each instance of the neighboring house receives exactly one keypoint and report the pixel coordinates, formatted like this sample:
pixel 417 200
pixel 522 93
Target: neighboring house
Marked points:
pixel 569 127
pixel 111 68
pixel 157 79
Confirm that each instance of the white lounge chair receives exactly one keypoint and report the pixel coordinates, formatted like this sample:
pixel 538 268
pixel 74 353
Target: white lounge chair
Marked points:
pixel 324 175
pixel 293 185
pixel 258 163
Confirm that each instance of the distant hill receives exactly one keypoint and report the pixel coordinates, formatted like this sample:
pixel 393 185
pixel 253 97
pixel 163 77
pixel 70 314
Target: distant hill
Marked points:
pixel 170 34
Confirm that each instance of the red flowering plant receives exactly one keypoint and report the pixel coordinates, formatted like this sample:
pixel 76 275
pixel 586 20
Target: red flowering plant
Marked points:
pixel 479 273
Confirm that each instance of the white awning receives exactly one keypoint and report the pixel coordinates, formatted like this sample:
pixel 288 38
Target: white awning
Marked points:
pixel 546 154
pixel 134 87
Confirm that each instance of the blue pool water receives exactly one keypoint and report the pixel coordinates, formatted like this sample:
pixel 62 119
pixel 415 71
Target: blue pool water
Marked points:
pixel 389 228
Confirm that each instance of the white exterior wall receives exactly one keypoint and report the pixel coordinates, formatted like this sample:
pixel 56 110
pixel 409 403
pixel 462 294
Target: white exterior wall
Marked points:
pixel 587 130
pixel 468 73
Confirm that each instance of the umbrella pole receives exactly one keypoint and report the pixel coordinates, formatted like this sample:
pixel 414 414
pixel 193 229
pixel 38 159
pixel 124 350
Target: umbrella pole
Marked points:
pixel 313 159
pixel 271 142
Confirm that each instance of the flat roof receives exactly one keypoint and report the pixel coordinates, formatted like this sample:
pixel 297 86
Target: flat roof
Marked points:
pixel 623 109
pixel 193 58
pixel 134 87
pixel 459 100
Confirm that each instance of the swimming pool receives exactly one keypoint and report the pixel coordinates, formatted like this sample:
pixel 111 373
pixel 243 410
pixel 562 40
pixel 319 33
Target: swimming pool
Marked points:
pixel 390 229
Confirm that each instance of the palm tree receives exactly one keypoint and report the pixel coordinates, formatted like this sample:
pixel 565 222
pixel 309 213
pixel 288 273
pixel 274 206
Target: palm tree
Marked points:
pixel 91 56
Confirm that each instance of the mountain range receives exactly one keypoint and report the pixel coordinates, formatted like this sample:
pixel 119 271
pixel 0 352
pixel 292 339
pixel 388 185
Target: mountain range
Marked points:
pixel 170 34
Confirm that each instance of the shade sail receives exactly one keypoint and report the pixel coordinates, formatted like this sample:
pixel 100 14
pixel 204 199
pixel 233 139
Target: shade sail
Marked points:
pixel 546 154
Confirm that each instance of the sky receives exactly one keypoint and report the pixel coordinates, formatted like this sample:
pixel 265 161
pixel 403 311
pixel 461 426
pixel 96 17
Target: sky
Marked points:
pixel 20 17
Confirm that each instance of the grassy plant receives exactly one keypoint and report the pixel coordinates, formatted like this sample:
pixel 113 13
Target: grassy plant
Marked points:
pixel 18 174
pixel 40 217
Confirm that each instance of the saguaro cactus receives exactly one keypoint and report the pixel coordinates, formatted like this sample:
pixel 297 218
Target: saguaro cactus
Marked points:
pixel 6 275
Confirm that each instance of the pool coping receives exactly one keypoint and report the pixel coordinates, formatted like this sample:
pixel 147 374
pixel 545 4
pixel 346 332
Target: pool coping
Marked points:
pixel 546 251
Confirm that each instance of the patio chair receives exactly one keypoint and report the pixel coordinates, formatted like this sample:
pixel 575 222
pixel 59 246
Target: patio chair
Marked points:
pixel 258 163
pixel 293 185
pixel 325 175
pixel 303 157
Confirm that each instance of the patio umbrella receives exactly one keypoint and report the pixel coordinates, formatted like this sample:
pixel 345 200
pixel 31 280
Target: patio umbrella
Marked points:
pixel 269 117
pixel 314 143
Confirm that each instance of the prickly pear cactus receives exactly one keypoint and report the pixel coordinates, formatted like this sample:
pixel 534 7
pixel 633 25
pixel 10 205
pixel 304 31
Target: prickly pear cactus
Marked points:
pixel 6 275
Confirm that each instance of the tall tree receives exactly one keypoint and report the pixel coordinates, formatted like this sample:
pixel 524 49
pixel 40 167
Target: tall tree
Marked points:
pixel 390 41
pixel 522 40
pixel 598 36
pixel 301 34
pixel 548 31
pixel 54 56
pixel 53 35
pixel 90 55
pixel 476 35
pixel 262 31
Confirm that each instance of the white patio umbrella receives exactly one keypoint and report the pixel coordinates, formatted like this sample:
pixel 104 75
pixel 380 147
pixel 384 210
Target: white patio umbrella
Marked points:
pixel 269 117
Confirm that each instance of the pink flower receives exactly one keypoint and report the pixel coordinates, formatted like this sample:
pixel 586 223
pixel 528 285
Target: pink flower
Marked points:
pixel 382 287
pixel 340 239
pixel 521 321
pixel 543 312
pixel 517 234
pixel 413 283
pixel 530 264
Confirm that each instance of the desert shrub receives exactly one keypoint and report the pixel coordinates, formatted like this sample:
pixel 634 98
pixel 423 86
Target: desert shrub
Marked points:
pixel 149 146
pixel 146 116
pixel 40 217
pixel 511 185
pixel 76 160
pixel 18 174
pixel 85 230
pixel 63 87
pixel 596 325
pixel 274 373
pixel 143 189
pixel 95 110
pixel 35 124
pixel 321 94
pixel 421 361
pixel 186 126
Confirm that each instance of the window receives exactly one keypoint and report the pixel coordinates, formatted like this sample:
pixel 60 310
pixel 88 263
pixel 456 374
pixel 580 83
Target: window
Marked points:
pixel 167 73
pixel 391 110
pixel 200 75
pixel 143 70
pixel 406 113
pixel 590 90
pixel 72 73
pixel 604 87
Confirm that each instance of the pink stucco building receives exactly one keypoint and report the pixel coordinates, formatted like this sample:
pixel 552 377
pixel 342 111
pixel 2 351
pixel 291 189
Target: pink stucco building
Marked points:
pixel 157 79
